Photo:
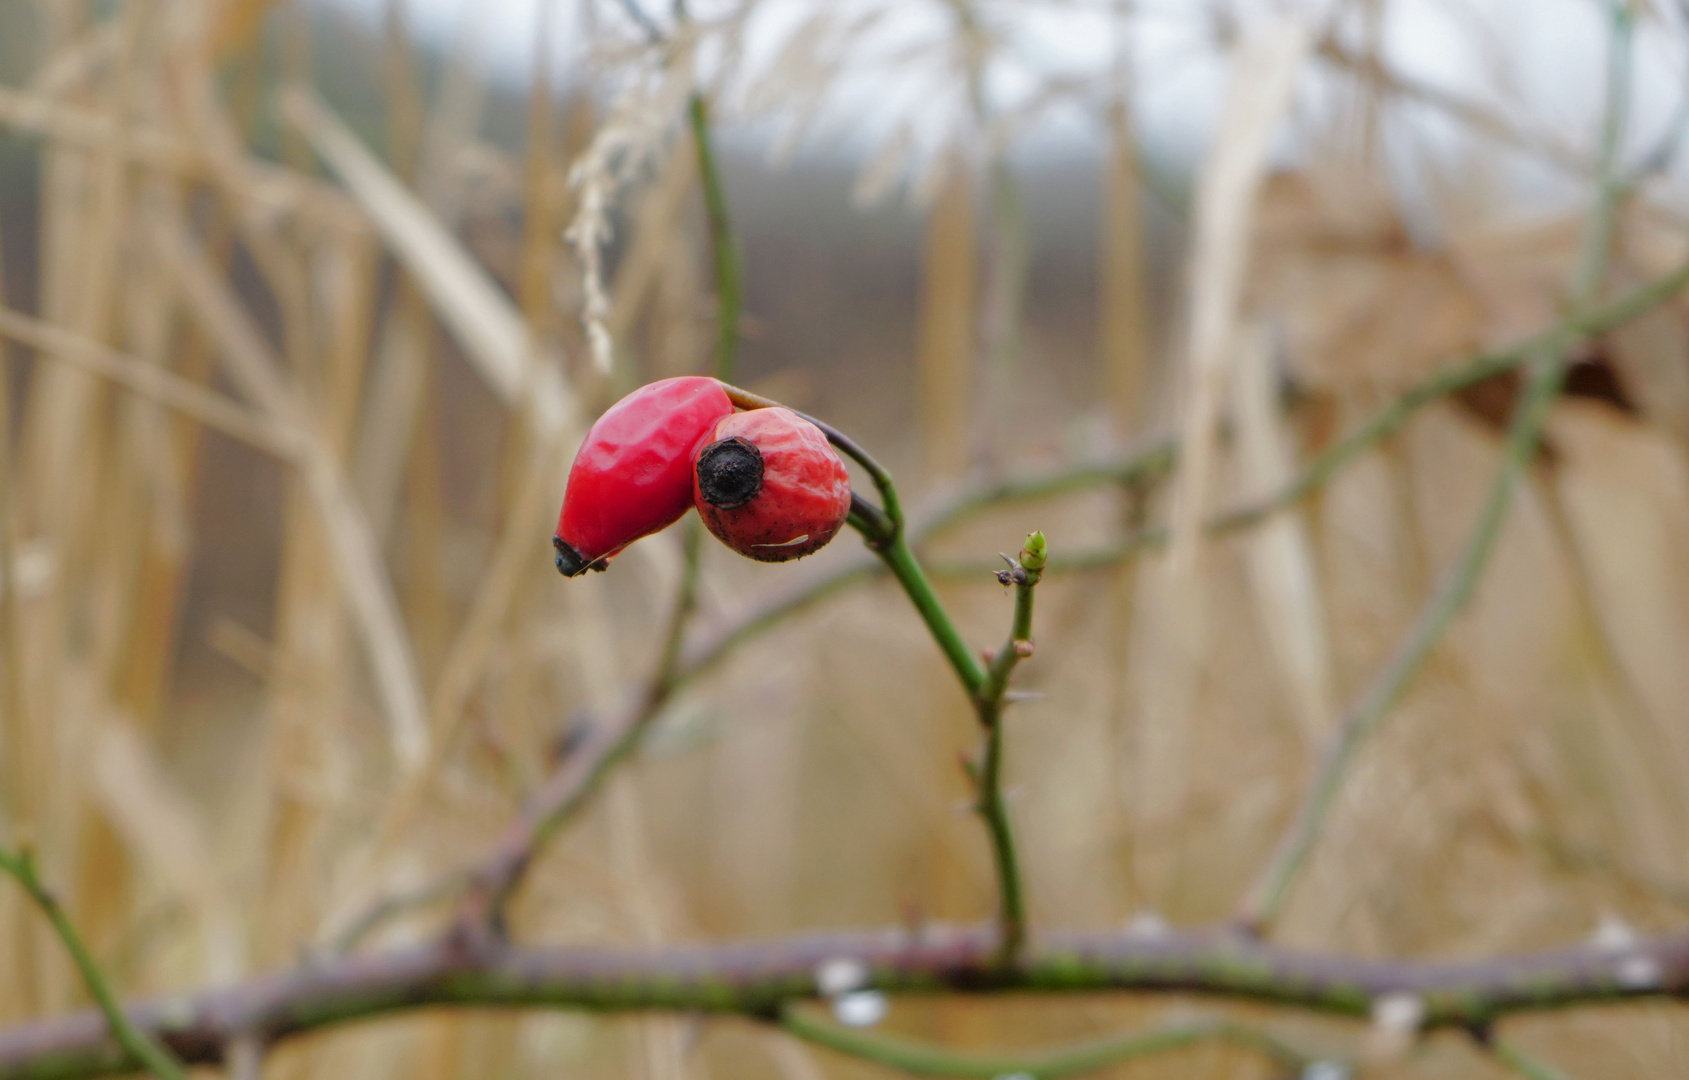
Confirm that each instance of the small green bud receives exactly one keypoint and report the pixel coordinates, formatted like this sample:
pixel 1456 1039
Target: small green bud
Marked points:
pixel 1034 555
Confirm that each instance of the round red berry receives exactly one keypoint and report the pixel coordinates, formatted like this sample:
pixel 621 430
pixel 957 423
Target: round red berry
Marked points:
pixel 769 485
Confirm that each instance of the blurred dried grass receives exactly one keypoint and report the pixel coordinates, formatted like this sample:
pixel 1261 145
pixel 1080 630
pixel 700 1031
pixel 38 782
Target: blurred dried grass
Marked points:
pixel 280 637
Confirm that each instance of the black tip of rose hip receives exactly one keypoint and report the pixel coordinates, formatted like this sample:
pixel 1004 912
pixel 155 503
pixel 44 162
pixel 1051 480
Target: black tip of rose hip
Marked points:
pixel 569 561
pixel 729 473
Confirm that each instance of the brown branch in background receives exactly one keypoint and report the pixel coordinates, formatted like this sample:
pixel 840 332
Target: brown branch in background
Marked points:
pixel 760 979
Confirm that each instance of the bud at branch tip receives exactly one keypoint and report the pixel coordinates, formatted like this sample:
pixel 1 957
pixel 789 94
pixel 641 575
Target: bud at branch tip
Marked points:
pixel 1035 554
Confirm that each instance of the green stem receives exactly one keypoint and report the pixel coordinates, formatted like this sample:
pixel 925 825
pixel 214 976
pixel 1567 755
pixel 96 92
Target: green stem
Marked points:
pixel 885 533
pixel 1024 574
pixel 922 1060
pixel 729 282
pixel 138 1044
pixel 903 566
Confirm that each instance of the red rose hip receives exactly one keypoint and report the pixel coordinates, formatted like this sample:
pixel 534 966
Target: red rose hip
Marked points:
pixel 770 486
pixel 633 474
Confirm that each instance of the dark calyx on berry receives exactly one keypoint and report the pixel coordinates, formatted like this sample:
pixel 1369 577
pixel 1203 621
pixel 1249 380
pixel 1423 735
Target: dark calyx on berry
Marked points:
pixel 730 473
pixel 570 563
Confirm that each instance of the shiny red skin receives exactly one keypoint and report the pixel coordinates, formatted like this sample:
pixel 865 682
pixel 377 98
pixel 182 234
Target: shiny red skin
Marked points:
pixel 633 474
pixel 805 489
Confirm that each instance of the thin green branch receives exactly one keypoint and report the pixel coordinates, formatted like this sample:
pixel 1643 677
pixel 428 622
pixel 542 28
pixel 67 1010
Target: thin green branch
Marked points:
pixel 919 1059
pixel 1598 238
pixel 1524 1064
pixel 685 604
pixel 570 789
pixel 729 284
pixel 1547 372
pixel 1023 574
pixel 901 561
pixel 140 1046
pixel 1141 468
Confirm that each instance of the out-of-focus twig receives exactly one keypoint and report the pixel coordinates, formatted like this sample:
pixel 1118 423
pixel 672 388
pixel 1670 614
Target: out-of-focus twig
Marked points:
pixel 561 798
pixel 1262 906
pixel 390 907
pixel 918 1059
pixel 1475 115
pixel 1522 1063
pixel 724 245
pixel 140 1046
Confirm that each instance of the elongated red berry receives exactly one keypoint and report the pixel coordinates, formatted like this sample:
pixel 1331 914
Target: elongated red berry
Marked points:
pixel 633 474
pixel 770 486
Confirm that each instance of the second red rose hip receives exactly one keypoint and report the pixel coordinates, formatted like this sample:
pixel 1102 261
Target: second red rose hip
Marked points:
pixel 770 486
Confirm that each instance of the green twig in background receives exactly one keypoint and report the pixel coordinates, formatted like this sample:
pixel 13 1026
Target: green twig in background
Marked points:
pixel 1158 461
pixel 138 1044
pixel 922 1060
pixel 723 244
pixel 1522 1063
pixel 1598 238
pixel 1023 574
pixel 1582 324
pixel 1547 373
pixel 1262 907
pixel 570 789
